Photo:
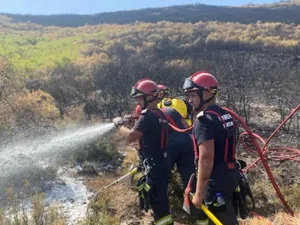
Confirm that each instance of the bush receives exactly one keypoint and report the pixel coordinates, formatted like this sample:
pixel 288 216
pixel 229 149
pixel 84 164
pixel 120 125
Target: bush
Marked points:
pixel 103 150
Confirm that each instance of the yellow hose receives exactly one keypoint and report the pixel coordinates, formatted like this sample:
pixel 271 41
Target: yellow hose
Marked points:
pixel 208 213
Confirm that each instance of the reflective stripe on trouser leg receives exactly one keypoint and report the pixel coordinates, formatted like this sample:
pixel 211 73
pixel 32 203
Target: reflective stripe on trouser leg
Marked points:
pixel 202 222
pixel 165 220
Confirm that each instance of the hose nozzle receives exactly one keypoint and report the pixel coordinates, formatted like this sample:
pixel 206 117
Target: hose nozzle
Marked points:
pixel 118 121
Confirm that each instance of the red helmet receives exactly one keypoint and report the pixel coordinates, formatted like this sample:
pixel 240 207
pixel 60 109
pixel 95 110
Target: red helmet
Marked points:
pixel 201 80
pixel 144 87
pixel 164 91
pixel 162 87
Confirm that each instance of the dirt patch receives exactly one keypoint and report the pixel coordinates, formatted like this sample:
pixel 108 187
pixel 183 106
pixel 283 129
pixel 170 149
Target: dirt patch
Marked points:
pixel 123 201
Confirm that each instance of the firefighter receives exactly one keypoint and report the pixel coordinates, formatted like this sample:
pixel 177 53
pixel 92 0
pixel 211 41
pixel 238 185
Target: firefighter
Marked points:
pixel 151 129
pixel 214 142
pixel 180 145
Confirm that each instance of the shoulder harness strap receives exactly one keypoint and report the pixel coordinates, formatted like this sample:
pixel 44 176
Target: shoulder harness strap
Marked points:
pixel 169 118
pixel 164 128
pixel 229 133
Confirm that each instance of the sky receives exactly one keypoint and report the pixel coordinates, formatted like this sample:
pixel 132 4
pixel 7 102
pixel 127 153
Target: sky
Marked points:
pixel 46 7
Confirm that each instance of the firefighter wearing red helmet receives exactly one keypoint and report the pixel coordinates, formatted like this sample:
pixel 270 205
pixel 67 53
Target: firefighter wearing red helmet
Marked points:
pixel 214 136
pixel 180 147
pixel 164 91
pixel 151 129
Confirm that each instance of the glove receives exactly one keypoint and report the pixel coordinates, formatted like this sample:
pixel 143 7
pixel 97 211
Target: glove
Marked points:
pixel 127 118
pixel 118 121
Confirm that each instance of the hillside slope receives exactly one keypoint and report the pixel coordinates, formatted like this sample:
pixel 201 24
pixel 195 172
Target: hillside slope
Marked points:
pixel 285 12
pixel 30 46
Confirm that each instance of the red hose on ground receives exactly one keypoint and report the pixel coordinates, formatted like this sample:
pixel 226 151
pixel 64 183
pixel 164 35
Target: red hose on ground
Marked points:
pixel 262 151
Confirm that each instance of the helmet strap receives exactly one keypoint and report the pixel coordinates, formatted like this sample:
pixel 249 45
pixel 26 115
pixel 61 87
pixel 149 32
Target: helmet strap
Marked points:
pixel 146 102
pixel 203 102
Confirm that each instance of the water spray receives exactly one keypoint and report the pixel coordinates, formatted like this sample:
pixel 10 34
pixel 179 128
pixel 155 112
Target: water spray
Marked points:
pixel 28 158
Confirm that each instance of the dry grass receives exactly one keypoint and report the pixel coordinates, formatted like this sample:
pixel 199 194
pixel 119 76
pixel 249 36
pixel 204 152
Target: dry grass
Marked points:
pixel 115 204
pixel 131 158
pixel 38 214
pixel 100 212
pixel 280 218
pixel 268 204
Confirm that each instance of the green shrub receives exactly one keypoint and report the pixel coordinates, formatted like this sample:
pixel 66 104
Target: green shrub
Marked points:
pixel 102 150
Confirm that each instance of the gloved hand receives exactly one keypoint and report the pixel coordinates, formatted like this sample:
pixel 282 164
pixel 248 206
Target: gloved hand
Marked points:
pixel 118 121
pixel 127 118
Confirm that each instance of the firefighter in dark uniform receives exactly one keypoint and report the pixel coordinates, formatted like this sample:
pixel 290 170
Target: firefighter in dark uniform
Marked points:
pixel 151 129
pixel 180 146
pixel 214 143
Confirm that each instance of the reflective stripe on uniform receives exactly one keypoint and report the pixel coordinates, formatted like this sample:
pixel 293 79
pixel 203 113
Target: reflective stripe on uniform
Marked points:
pixel 165 220
pixel 147 187
pixel 202 222
pixel 144 186
pixel 141 187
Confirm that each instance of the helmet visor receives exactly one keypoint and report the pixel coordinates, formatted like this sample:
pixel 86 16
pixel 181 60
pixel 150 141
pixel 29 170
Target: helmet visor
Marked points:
pixel 188 84
pixel 135 92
